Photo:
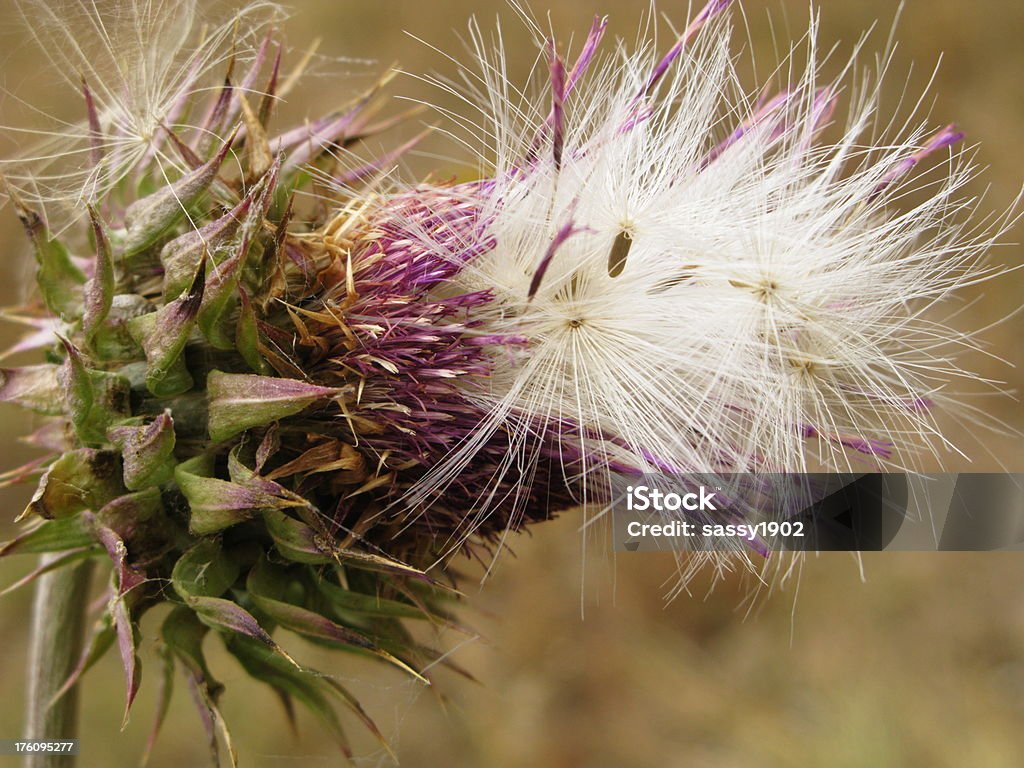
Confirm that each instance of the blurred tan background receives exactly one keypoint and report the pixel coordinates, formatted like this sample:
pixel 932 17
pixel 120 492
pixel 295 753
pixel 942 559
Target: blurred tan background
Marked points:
pixel 920 663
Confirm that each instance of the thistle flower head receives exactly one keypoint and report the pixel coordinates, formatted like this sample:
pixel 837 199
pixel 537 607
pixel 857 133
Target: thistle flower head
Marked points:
pixel 277 416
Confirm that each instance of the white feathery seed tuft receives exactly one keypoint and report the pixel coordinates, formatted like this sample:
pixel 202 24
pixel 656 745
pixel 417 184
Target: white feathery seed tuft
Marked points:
pixel 137 66
pixel 703 283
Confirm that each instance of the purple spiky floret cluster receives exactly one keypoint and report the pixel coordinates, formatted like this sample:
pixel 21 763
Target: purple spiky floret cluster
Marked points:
pixel 421 356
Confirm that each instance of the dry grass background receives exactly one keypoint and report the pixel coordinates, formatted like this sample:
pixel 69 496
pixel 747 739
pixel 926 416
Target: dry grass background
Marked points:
pixel 919 664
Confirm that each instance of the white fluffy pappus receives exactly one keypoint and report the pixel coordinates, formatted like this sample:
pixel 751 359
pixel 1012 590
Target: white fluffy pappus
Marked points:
pixel 705 285
pixel 136 67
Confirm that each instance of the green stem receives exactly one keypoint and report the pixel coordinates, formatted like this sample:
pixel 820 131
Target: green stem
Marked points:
pixel 58 625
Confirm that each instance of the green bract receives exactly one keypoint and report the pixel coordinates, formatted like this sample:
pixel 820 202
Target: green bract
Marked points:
pixel 177 412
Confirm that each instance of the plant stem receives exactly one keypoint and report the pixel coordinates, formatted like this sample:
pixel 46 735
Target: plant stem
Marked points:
pixel 58 624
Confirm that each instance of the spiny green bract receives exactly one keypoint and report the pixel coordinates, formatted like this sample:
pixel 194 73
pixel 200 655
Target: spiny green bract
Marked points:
pixel 185 441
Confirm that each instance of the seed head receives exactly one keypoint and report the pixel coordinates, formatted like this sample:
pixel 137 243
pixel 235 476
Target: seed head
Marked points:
pixel 702 282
